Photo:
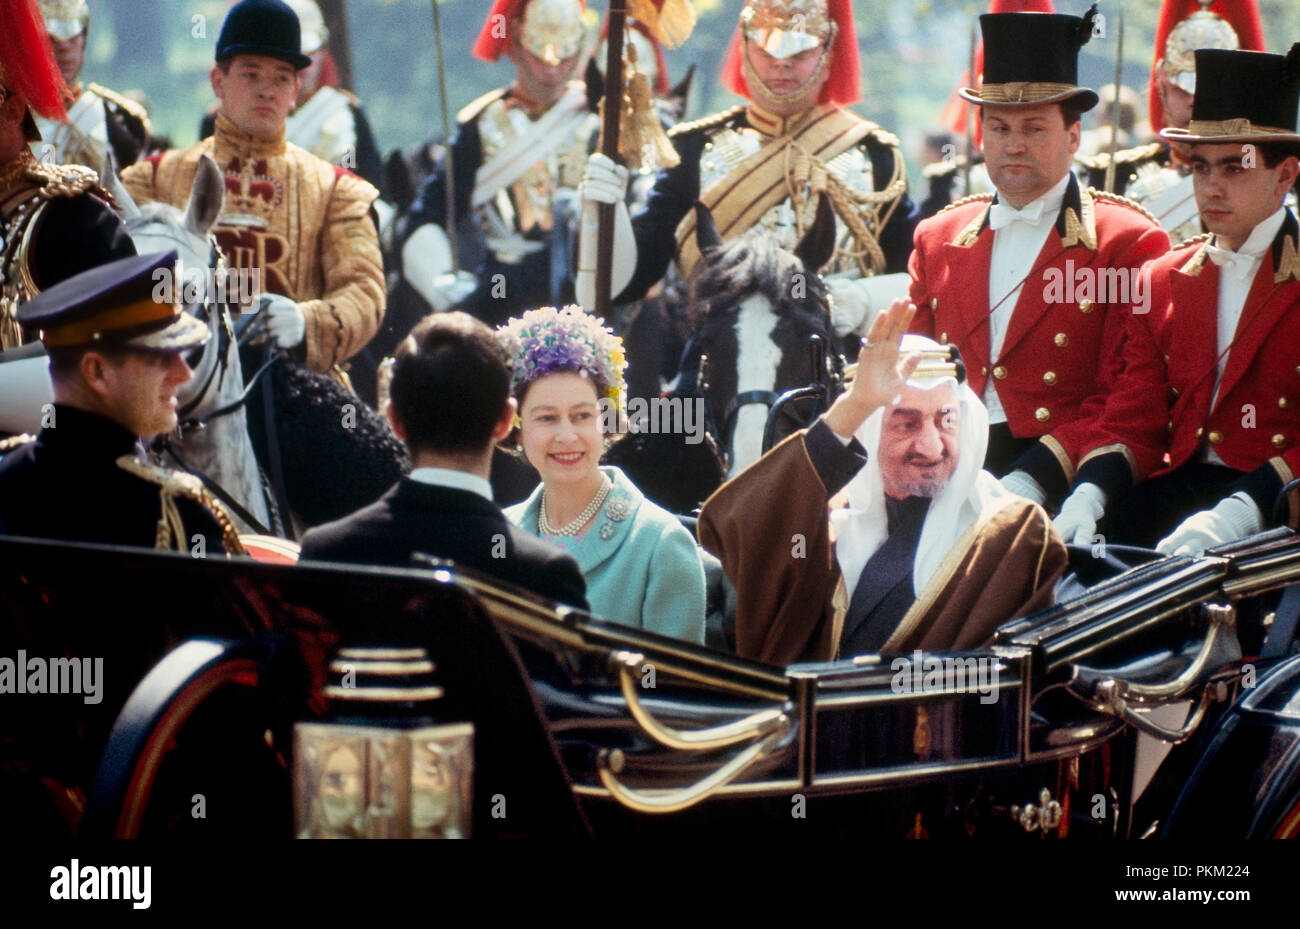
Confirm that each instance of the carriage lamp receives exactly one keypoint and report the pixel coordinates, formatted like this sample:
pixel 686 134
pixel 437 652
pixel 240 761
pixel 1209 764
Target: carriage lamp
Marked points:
pixel 381 766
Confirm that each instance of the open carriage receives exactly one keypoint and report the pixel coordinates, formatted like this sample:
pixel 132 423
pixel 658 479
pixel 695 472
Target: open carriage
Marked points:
pixel 584 727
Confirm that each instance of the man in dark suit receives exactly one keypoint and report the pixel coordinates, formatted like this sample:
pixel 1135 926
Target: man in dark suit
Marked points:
pixel 450 402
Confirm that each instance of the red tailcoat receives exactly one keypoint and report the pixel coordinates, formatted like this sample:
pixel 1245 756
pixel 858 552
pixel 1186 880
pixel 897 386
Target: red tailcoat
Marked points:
pixel 1062 349
pixel 1163 402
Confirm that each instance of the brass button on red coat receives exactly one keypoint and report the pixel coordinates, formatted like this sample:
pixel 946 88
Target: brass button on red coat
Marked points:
pixel 984 370
pixel 1279 441
pixel 1049 378
pixel 1000 373
pixel 1042 415
pixel 1283 403
pixel 943 337
pixel 1085 306
pixel 1215 436
pixel 1200 431
pixel 1061 340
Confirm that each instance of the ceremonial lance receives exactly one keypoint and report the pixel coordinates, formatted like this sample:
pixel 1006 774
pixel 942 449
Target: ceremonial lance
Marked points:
pixel 1114 105
pixel 449 173
pixel 671 22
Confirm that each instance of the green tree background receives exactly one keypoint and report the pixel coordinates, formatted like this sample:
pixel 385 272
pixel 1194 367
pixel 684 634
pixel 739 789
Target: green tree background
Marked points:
pixel 913 54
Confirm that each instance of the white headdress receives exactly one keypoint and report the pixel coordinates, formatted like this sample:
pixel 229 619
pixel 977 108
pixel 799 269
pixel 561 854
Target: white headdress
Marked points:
pixel 971 493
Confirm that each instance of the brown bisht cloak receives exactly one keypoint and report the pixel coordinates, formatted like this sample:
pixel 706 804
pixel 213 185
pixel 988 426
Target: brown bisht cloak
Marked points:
pixel 770 528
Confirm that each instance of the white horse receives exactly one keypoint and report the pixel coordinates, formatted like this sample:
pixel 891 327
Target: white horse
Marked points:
pixel 221 448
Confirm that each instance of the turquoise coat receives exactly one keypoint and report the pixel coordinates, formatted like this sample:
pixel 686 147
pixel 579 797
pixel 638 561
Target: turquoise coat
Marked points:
pixel 643 568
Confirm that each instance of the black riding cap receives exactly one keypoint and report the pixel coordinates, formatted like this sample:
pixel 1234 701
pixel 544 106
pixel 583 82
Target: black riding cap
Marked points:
pixel 262 27
pixel 1033 58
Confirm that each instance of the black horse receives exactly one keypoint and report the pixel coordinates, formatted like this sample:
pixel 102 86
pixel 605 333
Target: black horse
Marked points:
pixel 753 310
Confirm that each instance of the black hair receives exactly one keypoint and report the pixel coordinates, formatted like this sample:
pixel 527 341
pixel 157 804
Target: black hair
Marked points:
pixel 451 385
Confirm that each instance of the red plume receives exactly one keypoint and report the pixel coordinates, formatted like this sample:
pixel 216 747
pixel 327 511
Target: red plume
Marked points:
pixel 844 86
pixel 1242 16
pixel 494 38
pixel 27 61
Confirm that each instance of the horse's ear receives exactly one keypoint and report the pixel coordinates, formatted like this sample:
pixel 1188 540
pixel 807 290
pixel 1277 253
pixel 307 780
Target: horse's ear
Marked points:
pixel 207 197
pixel 818 243
pixel 109 180
pixel 706 230
pixel 681 92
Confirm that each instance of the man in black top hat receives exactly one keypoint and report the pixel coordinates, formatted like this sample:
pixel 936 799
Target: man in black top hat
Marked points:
pixel 995 275
pixel 450 402
pixel 1210 375
pixel 115 341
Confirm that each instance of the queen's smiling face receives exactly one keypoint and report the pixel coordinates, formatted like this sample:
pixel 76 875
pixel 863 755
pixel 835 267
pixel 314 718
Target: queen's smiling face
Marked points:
pixel 560 427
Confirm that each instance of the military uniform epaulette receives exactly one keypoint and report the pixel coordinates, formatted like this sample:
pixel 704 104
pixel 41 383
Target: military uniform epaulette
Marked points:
pixel 55 181
pixel 884 137
pixel 1128 156
pixel 947 166
pixel 173 484
pixel 1122 201
pixel 707 122
pixel 126 104
pixel 17 441
pixel 1194 240
pixel 472 110
pixel 987 197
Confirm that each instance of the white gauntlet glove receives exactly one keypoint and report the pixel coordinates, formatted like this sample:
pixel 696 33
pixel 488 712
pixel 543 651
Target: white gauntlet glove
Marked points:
pixel 1022 485
pixel 1233 518
pixel 1077 521
pixel 604 182
pixel 855 302
pixel 426 265
pixel 284 320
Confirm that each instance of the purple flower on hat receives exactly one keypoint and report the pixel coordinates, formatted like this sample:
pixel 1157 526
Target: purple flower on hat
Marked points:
pixel 548 340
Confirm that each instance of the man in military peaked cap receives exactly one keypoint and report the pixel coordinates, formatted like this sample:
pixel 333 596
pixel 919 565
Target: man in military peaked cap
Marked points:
pixel 1210 375
pixel 983 271
pixel 115 359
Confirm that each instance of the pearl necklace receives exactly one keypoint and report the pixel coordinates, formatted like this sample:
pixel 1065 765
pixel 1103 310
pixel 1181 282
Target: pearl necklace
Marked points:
pixel 544 525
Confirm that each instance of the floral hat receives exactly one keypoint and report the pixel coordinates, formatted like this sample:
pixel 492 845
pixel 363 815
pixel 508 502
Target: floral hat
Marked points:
pixel 548 340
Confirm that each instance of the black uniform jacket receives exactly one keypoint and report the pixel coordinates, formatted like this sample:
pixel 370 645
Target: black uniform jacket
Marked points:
pixel 68 485
pixel 677 189
pixel 447 523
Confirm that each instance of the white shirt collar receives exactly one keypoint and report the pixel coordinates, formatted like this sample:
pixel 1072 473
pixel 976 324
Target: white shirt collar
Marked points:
pixel 456 480
pixel 1262 236
pixel 1051 201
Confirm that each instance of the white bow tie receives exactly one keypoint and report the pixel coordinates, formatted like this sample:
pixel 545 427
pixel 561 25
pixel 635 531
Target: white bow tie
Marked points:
pixel 1001 215
pixel 1238 264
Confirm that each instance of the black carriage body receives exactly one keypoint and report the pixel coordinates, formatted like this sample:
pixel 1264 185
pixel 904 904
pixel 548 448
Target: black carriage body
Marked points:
pixel 588 727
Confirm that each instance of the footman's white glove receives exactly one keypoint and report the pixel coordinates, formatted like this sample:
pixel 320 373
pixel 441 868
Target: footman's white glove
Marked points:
pixel 1077 521
pixel 1231 519
pixel 284 320
pixel 426 265
pixel 604 182
pixel 1022 485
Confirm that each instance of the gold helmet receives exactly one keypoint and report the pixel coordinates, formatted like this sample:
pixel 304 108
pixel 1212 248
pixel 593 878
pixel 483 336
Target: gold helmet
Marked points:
pixel 65 19
pixel 1203 29
pixel 785 28
pixel 315 35
pixel 553 30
